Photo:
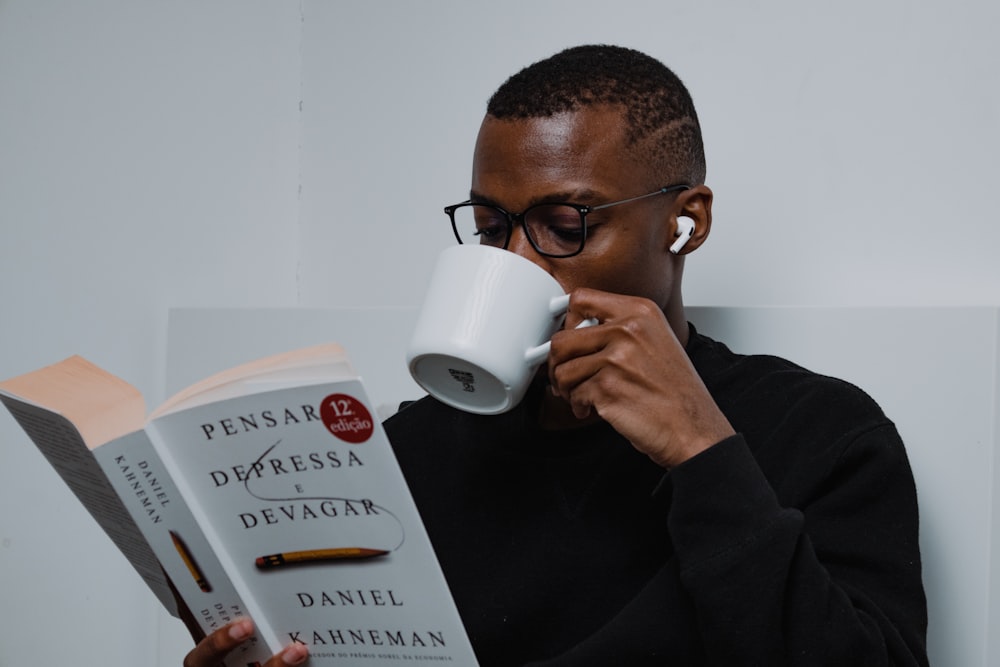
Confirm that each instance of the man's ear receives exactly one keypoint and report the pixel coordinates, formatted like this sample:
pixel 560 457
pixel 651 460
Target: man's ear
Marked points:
pixel 695 205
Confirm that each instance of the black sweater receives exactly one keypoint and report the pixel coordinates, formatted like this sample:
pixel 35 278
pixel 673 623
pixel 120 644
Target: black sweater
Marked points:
pixel 793 543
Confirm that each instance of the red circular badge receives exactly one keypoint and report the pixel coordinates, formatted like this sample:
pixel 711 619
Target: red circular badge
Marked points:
pixel 347 418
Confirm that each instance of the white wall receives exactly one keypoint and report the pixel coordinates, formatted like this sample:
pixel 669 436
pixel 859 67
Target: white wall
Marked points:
pixel 152 156
pixel 148 157
pixel 850 145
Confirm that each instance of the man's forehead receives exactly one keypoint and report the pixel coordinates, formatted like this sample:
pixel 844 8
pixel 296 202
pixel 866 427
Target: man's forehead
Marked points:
pixel 579 156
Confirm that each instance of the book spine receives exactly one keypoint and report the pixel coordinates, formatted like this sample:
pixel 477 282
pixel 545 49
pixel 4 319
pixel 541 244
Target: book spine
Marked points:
pixel 157 506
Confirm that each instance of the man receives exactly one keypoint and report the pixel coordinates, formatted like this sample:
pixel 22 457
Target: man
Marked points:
pixel 656 499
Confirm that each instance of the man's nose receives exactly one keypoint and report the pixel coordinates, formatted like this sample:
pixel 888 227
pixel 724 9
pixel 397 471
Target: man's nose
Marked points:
pixel 520 245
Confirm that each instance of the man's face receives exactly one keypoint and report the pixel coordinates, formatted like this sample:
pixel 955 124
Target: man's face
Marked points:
pixel 581 158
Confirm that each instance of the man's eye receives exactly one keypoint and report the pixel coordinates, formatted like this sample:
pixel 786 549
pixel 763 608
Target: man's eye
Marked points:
pixel 488 232
pixel 566 233
pixel 556 224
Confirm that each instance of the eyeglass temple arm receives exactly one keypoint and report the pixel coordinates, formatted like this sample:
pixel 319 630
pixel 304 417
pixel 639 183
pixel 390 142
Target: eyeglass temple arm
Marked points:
pixel 662 191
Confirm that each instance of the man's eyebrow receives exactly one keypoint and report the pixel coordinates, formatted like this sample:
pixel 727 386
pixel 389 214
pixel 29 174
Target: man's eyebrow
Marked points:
pixel 580 196
pixel 477 198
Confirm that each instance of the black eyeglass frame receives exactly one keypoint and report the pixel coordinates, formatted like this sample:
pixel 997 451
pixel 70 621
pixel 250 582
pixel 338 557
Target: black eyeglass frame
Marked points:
pixel 582 209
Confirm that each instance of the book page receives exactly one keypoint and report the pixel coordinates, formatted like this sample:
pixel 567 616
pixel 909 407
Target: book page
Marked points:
pixel 302 366
pixel 100 405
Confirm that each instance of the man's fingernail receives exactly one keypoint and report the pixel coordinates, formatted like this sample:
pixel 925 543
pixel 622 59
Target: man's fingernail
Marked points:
pixel 241 630
pixel 295 654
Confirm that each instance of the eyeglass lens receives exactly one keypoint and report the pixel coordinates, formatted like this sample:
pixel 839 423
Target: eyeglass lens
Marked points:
pixel 554 229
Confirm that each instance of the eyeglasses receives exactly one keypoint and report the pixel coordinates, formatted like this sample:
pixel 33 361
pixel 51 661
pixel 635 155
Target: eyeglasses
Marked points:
pixel 554 230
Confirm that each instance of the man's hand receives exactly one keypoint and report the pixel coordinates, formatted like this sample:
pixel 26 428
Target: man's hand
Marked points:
pixel 632 370
pixel 211 650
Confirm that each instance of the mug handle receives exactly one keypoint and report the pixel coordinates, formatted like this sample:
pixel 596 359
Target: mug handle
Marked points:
pixel 557 306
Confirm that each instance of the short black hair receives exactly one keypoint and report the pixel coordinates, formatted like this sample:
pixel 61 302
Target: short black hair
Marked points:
pixel 659 112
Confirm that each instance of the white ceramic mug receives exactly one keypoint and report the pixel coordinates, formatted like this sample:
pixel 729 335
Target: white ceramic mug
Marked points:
pixel 484 328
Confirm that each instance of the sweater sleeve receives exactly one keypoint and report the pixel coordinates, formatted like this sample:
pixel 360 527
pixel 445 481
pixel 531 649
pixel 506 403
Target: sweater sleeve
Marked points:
pixel 833 580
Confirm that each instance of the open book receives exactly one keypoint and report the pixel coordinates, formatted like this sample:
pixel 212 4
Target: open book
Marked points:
pixel 269 490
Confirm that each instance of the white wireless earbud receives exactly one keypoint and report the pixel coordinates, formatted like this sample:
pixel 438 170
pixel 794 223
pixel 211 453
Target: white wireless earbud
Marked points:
pixel 685 228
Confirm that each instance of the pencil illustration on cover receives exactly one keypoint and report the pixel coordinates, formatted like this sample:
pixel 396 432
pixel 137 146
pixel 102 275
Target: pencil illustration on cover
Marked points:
pixel 317 555
pixel 190 562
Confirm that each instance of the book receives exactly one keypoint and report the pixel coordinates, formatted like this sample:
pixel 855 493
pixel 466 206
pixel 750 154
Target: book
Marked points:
pixel 266 490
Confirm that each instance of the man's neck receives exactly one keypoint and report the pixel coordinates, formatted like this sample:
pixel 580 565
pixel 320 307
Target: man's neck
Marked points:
pixel 677 320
